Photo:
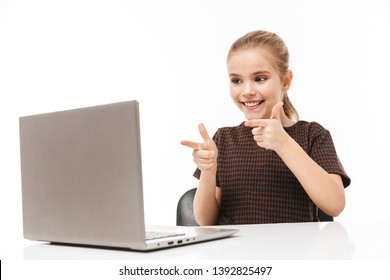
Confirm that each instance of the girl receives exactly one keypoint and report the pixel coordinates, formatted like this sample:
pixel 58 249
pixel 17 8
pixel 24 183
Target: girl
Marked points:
pixel 271 168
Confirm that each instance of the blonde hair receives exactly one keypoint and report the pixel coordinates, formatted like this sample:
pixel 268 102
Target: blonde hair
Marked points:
pixel 279 57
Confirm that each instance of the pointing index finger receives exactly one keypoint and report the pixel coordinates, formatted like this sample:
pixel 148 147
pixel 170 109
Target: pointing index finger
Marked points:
pixel 256 123
pixel 190 144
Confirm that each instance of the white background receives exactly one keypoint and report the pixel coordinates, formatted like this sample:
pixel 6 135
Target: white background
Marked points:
pixel 171 56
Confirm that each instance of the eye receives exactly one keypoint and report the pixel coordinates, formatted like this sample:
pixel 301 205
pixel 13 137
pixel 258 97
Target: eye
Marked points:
pixel 236 81
pixel 260 79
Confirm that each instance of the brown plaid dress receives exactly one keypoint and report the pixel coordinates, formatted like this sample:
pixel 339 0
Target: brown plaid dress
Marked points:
pixel 257 187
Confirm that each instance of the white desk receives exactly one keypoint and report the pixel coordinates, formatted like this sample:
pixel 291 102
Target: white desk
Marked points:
pixel 353 240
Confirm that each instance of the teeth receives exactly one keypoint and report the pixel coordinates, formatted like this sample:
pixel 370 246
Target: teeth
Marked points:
pixel 252 104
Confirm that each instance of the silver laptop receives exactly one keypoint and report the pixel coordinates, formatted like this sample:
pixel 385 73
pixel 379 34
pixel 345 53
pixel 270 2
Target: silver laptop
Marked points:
pixel 82 181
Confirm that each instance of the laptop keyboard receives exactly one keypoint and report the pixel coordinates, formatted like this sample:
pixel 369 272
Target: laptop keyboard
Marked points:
pixel 150 235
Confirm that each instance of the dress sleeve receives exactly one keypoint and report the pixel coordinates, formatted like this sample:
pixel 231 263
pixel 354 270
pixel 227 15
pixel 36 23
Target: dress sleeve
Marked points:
pixel 323 152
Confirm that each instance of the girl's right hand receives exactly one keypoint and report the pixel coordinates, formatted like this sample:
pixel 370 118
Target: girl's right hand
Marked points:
pixel 205 154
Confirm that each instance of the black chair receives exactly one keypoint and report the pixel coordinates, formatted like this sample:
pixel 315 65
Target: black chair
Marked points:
pixel 185 213
pixel 323 217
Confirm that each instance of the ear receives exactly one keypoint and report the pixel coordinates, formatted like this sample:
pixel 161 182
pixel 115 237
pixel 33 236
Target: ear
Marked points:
pixel 286 81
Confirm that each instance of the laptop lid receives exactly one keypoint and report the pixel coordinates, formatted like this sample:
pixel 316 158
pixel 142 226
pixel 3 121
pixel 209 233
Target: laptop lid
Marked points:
pixel 82 177
pixel 82 180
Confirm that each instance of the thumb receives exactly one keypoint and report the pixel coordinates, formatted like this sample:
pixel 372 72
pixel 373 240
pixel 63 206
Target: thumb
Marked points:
pixel 275 114
pixel 203 132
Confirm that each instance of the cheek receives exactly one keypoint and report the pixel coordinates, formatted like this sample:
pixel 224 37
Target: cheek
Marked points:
pixel 232 95
pixel 234 92
pixel 270 91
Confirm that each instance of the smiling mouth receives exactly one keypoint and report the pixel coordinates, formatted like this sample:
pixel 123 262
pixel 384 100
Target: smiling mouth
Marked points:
pixel 252 104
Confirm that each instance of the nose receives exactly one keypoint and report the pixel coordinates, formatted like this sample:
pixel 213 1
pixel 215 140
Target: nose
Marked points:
pixel 248 89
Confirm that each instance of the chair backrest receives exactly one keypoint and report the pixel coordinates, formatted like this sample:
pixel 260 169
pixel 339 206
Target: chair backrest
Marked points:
pixel 323 217
pixel 185 212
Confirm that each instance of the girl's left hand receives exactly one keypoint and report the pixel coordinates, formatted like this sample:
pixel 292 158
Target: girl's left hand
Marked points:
pixel 269 133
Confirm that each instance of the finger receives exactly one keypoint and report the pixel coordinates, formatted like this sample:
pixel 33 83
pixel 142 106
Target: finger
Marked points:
pixel 200 161
pixel 258 130
pixel 204 154
pixel 257 123
pixel 258 138
pixel 276 110
pixel 190 144
pixel 203 132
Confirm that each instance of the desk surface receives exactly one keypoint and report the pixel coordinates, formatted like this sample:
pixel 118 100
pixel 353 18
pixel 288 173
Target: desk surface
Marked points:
pixel 334 240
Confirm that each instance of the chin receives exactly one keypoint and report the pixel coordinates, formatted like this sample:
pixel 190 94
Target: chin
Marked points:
pixel 249 117
pixel 252 117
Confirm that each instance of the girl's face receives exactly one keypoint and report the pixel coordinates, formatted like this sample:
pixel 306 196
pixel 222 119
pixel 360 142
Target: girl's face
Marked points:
pixel 255 85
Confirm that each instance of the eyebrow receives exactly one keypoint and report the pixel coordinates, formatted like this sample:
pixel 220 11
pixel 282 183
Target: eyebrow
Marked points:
pixel 254 74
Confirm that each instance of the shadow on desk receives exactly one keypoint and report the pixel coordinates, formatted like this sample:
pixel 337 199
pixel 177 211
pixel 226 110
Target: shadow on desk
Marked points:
pixel 300 241
pixel 332 243
pixel 270 241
